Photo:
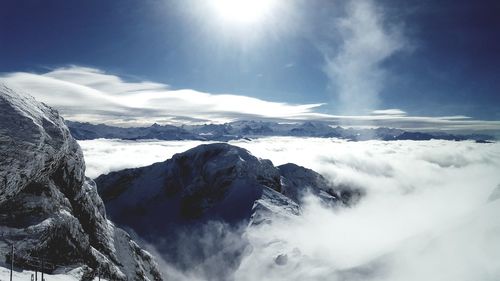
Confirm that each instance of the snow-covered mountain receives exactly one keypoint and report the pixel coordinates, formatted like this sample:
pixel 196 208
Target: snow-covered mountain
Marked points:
pixel 84 131
pixel 254 129
pixel 211 182
pixel 48 209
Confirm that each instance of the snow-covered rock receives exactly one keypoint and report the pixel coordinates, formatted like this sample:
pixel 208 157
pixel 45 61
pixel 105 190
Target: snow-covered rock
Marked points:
pixel 297 181
pixel 48 208
pixel 211 181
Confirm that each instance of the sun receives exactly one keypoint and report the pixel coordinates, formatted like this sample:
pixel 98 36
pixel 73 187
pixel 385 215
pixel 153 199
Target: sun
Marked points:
pixel 243 11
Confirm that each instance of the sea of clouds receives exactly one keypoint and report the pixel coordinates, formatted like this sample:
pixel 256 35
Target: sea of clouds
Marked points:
pixel 430 211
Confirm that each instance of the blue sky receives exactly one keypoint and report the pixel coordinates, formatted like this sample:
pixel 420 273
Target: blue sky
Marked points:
pixel 426 58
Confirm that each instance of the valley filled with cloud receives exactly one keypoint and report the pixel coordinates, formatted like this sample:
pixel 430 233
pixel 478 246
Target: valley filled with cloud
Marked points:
pixel 428 210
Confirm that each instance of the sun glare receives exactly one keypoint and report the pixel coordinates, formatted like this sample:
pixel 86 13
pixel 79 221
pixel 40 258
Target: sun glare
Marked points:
pixel 243 11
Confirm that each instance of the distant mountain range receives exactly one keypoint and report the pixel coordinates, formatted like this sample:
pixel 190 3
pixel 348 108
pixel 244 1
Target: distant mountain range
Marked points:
pixel 254 129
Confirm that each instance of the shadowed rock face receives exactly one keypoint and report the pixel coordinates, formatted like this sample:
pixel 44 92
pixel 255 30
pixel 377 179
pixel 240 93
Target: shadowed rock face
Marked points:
pixel 48 209
pixel 298 181
pixel 214 181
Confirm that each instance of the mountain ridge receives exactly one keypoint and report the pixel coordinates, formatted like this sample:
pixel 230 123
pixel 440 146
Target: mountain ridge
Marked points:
pixel 256 129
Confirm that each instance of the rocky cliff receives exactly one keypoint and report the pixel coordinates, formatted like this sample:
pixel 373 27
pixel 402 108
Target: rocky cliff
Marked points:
pixel 48 209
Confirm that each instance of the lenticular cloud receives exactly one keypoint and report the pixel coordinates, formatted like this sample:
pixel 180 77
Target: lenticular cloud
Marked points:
pixel 429 211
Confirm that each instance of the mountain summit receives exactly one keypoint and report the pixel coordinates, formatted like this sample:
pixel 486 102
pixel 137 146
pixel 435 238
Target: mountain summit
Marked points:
pixel 215 181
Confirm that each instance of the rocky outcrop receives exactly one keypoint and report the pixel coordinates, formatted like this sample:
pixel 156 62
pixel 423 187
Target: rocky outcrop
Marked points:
pixel 48 209
pixel 213 181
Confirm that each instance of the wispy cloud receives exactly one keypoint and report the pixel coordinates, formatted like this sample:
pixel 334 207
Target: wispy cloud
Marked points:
pixel 89 94
pixel 391 111
pixel 92 95
pixel 354 69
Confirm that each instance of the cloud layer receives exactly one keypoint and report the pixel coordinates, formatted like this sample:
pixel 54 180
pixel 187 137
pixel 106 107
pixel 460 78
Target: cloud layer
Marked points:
pixel 87 94
pixel 104 156
pixel 91 95
pixel 428 213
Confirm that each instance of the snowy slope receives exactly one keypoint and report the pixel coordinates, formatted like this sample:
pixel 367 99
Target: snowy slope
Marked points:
pixel 47 206
pixel 72 275
pixel 209 181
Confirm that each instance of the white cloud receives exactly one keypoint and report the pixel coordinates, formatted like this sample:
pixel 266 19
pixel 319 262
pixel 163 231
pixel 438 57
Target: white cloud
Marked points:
pixel 422 200
pixel 104 156
pixel 426 214
pixel 91 95
pixel 392 111
pixel 87 94
pixel 421 196
pixel 354 69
